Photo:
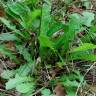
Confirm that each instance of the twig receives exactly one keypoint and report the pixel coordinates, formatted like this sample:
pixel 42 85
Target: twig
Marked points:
pixel 84 77
pixel 38 91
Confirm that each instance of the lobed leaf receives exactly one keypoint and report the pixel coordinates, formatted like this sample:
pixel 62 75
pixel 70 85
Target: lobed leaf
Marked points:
pixel 12 83
pixel 25 87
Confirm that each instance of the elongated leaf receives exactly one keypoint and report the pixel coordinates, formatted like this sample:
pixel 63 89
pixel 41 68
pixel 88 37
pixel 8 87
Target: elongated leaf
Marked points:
pixel 27 56
pixel 46 42
pixel 35 13
pixel 45 19
pixel 54 28
pixel 30 2
pixel 22 14
pixel 18 8
pixel 84 47
pixel 7 37
pixel 5 51
pixel 19 12
pixel 68 36
pixel 88 57
pixel 28 20
pixel 8 24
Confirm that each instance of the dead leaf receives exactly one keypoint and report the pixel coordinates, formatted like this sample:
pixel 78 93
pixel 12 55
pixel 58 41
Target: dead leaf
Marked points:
pixel 2 13
pixel 75 9
pixel 59 90
pixel 10 45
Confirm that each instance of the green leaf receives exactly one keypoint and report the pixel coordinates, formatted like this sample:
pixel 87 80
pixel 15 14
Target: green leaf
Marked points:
pixel 25 87
pixel 72 83
pixel 23 70
pixel 30 2
pixel 84 47
pixel 24 51
pixel 89 57
pixel 86 4
pixel 46 42
pixel 68 1
pixel 22 14
pixel 12 83
pixel 7 37
pixel 71 92
pixel 75 21
pixel 8 24
pixel 69 83
pixel 88 17
pixel 18 8
pixel 2 94
pixel 68 36
pixel 46 92
pixel 46 18
pixel 63 40
pixel 35 13
pixel 93 29
pixel 54 28
pixel 31 18
pixel 70 80
pixel 7 74
pixel 5 51
pixel 70 29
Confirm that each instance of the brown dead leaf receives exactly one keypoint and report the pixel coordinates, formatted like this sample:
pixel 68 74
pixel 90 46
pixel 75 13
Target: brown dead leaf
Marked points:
pixel 2 13
pixel 10 45
pixel 75 9
pixel 59 90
